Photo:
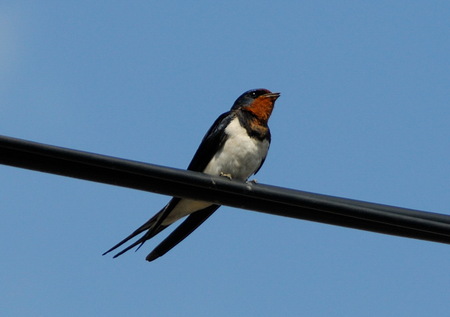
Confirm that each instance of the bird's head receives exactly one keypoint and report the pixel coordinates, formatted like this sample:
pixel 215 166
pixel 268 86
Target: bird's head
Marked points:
pixel 259 102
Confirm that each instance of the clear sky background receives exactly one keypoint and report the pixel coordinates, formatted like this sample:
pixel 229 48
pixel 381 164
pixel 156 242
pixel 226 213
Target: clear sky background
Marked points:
pixel 364 114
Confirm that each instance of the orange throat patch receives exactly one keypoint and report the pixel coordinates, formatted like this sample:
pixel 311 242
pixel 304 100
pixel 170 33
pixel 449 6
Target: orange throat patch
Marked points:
pixel 262 108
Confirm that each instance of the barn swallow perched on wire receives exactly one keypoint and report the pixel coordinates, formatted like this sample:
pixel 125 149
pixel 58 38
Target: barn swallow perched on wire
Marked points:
pixel 235 146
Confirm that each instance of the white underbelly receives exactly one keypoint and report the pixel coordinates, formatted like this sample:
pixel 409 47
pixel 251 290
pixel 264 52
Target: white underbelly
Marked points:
pixel 183 208
pixel 240 156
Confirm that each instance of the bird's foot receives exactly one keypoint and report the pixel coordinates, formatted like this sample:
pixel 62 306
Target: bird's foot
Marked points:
pixel 253 181
pixel 226 175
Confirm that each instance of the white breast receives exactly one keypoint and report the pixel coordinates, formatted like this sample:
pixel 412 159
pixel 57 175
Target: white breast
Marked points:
pixel 240 156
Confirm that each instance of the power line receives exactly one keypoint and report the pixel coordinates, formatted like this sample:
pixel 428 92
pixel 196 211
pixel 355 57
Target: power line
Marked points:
pixel 219 190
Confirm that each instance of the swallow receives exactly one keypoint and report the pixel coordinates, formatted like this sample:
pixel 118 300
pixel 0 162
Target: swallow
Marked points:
pixel 235 146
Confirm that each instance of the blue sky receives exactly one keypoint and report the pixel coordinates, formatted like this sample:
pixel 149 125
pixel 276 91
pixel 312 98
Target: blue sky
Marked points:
pixel 364 114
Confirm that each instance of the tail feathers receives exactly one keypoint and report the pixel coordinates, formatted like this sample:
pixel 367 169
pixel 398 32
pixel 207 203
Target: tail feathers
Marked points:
pixel 181 232
pixel 147 236
pixel 154 226
pixel 146 226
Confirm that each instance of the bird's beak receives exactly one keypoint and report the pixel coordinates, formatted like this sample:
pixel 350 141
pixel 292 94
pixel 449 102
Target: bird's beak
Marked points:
pixel 273 95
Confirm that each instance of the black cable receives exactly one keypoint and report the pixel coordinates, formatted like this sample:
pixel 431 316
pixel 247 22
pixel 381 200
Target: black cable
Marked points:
pixel 219 190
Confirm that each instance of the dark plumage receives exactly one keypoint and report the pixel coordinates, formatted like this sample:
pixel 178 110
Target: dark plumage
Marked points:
pixel 235 146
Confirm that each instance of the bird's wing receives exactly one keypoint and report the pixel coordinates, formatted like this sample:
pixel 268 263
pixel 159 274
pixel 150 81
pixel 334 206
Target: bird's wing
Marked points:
pixel 264 158
pixel 211 143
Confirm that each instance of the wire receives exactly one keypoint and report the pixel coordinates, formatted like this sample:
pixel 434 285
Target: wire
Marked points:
pixel 220 190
